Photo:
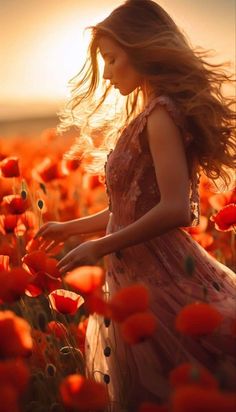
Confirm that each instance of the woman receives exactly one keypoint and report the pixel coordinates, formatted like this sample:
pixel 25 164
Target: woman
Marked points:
pixel 178 123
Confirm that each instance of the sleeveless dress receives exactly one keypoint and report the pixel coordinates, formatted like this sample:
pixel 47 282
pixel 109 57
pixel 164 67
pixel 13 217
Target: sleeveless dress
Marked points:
pixel 136 373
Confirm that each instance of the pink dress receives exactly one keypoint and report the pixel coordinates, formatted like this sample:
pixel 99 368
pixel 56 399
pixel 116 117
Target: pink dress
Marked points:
pixel 140 372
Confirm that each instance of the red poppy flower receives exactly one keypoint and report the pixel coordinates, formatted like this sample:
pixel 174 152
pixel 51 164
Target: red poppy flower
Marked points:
pixel 91 182
pixel 193 398
pixel 152 407
pixel 8 248
pixel 225 219
pixel 15 373
pixel 15 335
pixel 138 327
pixel 86 279
pixel 28 219
pixel 9 167
pixel 13 283
pixel 51 267
pixel 48 170
pixel 195 230
pixel 69 165
pixel 57 329
pixel 187 373
pixel 4 262
pixel 204 239
pixel 45 271
pixel 13 224
pixel 95 303
pixel 35 261
pixel 222 199
pixel 14 204
pixel 9 398
pixel 198 319
pixel 83 394
pixel 8 223
pixel 199 233
pixel 65 301
pixel 42 283
pixel 129 300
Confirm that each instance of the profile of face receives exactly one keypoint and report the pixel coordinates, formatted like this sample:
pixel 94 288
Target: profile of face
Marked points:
pixel 117 67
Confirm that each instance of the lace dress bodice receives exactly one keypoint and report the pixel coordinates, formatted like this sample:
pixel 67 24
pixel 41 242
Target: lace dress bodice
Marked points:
pixel 131 182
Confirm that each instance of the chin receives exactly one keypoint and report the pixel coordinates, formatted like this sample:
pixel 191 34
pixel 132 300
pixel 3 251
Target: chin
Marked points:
pixel 125 92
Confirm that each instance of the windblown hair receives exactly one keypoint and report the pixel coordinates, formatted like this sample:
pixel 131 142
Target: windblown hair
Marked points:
pixel 160 52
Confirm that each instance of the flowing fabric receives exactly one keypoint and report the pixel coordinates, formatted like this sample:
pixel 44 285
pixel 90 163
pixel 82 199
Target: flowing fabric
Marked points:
pixel 136 373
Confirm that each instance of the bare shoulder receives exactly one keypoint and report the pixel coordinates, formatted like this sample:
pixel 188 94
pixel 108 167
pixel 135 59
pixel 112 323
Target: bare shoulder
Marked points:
pixel 169 157
pixel 161 128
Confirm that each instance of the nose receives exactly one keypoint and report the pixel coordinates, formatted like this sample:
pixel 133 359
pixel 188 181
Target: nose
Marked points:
pixel 107 75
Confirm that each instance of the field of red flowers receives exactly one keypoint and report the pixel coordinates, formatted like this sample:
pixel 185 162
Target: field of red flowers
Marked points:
pixel 43 317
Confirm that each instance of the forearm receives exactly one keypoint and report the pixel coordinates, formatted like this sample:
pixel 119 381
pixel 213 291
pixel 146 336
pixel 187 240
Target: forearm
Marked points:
pixel 155 222
pixel 90 224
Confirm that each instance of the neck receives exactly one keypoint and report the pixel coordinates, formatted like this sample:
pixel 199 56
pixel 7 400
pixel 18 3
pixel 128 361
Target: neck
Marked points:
pixel 148 94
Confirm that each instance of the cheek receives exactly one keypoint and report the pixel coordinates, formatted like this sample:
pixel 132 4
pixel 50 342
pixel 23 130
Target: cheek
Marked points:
pixel 121 68
pixel 126 72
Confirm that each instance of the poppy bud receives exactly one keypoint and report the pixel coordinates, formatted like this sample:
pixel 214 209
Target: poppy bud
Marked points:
pixel 107 351
pixel 10 167
pixel 23 194
pixel 40 204
pixel 106 378
pixel 107 322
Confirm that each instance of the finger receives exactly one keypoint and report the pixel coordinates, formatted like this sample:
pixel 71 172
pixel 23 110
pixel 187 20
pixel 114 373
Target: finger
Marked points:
pixel 66 268
pixel 50 246
pixel 64 261
pixel 42 244
pixel 41 231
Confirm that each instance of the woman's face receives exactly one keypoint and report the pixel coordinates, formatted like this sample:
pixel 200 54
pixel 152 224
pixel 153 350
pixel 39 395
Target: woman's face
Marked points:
pixel 117 68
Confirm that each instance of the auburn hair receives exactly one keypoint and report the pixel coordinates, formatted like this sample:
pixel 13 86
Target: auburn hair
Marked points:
pixel 161 53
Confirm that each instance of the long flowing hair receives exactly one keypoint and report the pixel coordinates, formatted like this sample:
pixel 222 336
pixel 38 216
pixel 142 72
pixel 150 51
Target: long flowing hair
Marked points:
pixel 162 54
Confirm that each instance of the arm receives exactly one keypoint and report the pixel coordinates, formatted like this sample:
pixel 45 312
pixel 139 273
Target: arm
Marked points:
pixel 56 232
pixel 89 224
pixel 173 211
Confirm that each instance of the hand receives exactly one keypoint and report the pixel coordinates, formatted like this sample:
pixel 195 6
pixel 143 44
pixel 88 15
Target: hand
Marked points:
pixel 52 234
pixel 88 253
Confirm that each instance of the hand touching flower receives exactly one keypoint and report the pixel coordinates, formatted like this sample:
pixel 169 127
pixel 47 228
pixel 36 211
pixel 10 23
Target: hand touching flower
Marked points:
pixel 53 233
pixel 88 253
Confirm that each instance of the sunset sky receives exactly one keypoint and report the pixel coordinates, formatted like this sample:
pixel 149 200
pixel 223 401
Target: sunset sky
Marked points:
pixel 42 44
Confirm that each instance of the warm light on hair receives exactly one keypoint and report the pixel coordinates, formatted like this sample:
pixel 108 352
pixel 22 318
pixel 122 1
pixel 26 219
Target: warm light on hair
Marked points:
pixel 159 51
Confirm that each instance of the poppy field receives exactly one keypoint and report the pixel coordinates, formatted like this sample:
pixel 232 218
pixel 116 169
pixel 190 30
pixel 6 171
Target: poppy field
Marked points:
pixel 43 316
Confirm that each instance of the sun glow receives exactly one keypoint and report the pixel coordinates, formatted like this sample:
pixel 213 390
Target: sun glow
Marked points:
pixel 44 45
pixel 41 62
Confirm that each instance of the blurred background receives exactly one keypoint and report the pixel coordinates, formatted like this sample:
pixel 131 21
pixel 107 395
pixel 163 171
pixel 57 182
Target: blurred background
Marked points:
pixel 43 45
